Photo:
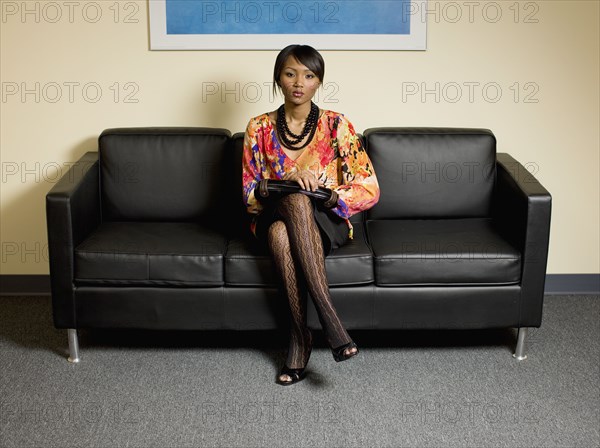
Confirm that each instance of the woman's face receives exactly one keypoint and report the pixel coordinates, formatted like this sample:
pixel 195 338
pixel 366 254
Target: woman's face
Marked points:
pixel 297 82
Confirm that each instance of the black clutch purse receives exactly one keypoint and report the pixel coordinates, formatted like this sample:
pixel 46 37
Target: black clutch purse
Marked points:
pixel 274 189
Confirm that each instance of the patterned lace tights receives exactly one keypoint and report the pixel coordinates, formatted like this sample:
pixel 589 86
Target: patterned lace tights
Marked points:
pixel 296 246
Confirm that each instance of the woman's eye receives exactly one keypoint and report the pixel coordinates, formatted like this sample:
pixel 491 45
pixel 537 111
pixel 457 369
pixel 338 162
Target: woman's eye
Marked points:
pixel 310 76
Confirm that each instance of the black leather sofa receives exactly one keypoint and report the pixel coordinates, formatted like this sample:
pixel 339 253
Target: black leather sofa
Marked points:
pixel 150 232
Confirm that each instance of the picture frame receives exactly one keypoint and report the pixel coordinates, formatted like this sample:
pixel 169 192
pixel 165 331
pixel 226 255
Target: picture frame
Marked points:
pixel 272 25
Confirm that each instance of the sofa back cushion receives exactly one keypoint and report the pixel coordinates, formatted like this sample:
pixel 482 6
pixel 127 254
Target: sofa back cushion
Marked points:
pixel 240 218
pixel 432 172
pixel 162 174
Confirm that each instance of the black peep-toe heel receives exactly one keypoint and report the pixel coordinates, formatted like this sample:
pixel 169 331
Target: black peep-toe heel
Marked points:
pixel 296 375
pixel 338 352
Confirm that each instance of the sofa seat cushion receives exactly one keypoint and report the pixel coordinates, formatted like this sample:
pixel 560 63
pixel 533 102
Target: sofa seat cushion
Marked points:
pixel 151 253
pixel 442 252
pixel 248 263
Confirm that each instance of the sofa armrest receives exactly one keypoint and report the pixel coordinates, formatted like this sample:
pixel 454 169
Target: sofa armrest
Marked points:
pixel 522 211
pixel 72 213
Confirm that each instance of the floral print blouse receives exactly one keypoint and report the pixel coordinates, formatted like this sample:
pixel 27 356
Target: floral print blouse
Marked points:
pixel 335 155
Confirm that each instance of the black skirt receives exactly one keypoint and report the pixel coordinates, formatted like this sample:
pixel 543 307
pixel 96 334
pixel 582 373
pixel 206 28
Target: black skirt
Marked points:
pixel 333 229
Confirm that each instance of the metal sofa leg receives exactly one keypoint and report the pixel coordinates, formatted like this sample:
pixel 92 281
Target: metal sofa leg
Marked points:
pixel 519 353
pixel 73 346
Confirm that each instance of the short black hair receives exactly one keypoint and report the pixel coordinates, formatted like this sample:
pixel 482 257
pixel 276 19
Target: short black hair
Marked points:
pixel 305 54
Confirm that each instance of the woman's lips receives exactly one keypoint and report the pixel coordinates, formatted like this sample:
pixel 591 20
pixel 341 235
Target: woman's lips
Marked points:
pixel 298 94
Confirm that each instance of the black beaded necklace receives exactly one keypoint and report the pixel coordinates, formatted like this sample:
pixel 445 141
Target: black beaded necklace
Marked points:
pixel 310 126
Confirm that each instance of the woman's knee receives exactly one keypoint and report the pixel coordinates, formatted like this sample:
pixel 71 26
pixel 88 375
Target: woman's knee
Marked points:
pixel 296 200
pixel 278 233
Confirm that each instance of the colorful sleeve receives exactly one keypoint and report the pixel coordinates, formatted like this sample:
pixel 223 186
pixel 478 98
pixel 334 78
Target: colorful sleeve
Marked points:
pixel 360 189
pixel 252 161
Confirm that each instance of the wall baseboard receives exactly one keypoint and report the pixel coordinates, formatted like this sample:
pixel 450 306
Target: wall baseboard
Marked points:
pixel 24 285
pixel 565 284
pixel 556 284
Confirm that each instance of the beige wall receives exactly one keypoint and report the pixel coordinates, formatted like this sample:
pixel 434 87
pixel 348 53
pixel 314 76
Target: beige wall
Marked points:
pixel 557 136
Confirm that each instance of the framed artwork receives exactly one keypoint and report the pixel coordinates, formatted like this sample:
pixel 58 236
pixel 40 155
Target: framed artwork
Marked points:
pixel 274 24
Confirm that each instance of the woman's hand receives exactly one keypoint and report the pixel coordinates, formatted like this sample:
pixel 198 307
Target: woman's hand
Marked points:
pixel 305 178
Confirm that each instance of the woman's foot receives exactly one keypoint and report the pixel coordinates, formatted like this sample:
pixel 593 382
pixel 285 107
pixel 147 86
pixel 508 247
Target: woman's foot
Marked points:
pixel 345 351
pixel 291 375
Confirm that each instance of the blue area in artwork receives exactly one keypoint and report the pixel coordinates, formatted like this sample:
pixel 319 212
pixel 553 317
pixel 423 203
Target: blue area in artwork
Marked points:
pixel 288 17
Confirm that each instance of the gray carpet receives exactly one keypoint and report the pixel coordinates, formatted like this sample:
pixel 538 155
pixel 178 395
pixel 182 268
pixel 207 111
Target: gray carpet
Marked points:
pixel 217 389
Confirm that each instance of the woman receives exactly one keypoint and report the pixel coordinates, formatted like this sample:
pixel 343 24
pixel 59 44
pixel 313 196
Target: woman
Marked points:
pixel 315 148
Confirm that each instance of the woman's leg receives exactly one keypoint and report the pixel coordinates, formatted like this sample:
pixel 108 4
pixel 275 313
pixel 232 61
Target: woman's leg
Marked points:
pixel 307 249
pixel 299 345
